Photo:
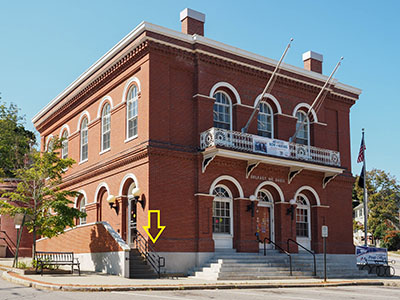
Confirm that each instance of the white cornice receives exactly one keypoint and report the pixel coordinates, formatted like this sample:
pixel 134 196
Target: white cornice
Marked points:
pixel 192 39
pixel 96 66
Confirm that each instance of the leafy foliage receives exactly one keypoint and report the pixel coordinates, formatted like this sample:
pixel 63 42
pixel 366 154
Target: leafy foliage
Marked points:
pixel 15 141
pixel 383 202
pixel 49 209
pixel 392 240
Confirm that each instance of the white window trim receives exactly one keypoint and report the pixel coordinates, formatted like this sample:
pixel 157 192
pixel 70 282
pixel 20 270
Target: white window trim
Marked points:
pixel 62 144
pixel 308 207
pixel 307 108
pixel 308 125
pixel 230 107
pixel 230 201
pixel 271 98
pixel 49 138
pixel 102 132
pixel 271 115
pixel 82 209
pixel 131 138
pixel 128 138
pixel 83 161
pixel 105 151
pixel 227 85
pixel 264 203
pixel 80 142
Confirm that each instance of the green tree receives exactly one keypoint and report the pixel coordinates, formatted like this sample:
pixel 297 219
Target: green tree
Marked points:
pixel 383 201
pixel 15 141
pixel 48 208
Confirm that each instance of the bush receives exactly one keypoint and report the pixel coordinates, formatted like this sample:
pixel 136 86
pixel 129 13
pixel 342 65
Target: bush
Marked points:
pixel 392 240
pixel 22 265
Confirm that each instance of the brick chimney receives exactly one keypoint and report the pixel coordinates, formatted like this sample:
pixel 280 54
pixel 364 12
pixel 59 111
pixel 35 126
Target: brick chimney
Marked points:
pixel 313 61
pixel 192 21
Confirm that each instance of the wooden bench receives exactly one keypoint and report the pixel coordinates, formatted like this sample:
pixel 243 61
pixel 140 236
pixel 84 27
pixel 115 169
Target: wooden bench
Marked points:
pixel 56 259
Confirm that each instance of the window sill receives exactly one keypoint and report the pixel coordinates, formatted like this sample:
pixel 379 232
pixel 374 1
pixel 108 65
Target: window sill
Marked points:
pixel 104 151
pixel 131 138
pixel 83 161
pixel 222 235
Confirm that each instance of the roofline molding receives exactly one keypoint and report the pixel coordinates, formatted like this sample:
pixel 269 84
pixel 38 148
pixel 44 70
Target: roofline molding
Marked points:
pixel 192 39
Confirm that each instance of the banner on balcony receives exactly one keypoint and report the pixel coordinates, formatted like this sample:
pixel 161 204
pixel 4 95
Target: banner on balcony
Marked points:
pixel 271 146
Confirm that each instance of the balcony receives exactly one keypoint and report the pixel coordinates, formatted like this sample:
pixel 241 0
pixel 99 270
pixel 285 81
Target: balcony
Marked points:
pixel 257 149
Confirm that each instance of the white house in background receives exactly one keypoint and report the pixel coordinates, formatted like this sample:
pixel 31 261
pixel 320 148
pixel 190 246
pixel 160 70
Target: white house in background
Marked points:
pixel 358 235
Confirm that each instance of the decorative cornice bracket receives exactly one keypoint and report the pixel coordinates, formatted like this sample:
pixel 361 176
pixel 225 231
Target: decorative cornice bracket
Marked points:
pixel 207 159
pixel 327 178
pixel 293 172
pixel 251 165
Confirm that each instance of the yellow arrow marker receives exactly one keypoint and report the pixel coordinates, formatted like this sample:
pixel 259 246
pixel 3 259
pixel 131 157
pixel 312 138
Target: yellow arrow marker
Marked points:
pixel 161 228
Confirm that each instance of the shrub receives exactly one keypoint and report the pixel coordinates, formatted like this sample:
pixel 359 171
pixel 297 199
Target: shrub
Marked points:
pixel 22 265
pixel 392 240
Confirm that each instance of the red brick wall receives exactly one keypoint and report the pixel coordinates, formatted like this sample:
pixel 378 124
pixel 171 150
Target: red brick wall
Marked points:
pixel 86 239
pixel 10 234
pixel 174 108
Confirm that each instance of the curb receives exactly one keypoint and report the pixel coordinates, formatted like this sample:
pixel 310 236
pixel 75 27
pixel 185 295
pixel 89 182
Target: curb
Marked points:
pixel 80 288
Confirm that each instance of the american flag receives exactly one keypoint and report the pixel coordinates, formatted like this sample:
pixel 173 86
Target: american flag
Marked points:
pixel 361 153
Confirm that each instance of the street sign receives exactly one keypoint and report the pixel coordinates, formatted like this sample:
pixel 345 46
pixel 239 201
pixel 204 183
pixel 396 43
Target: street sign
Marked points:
pixel 324 231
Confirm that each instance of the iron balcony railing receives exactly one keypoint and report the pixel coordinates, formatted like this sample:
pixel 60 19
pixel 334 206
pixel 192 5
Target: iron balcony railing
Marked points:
pixel 258 145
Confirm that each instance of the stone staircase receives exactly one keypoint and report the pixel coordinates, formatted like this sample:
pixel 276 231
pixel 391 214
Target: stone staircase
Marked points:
pixel 139 267
pixel 232 265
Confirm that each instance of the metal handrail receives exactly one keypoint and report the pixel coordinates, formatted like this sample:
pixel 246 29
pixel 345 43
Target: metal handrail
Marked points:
pixel 142 245
pixel 309 251
pixel 7 237
pixel 8 241
pixel 280 248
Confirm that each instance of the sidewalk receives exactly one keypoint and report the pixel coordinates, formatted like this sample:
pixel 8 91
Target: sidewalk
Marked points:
pixel 91 281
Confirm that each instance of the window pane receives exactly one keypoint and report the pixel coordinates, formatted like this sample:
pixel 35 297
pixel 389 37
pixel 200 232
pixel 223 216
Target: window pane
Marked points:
pixel 222 111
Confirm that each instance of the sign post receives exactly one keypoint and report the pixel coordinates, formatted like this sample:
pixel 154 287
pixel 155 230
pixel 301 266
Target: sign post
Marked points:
pixel 324 236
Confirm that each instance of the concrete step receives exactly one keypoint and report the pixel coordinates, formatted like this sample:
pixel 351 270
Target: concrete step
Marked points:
pixel 249 269
pixel 249 260
pixel 139 268
pixel 143 276
pixel 230 265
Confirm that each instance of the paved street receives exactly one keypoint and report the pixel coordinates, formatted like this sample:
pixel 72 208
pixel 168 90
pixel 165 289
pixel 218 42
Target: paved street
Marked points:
pixel 15 292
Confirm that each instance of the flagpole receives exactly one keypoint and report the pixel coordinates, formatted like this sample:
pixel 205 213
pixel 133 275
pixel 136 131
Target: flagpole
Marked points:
pixel 267 87
pixel 365 198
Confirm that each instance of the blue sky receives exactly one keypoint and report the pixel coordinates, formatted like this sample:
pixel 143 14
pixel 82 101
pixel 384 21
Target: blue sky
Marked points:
pixel 45 45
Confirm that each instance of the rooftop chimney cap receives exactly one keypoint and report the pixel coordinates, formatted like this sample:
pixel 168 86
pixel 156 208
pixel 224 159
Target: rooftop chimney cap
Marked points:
pixel 313 55
pixel 194 14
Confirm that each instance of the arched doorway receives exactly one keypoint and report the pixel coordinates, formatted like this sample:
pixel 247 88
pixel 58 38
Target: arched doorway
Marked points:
pixel 222 217
pixel 129 208
pixel 303 221
pixel 265 216
pixel 132 215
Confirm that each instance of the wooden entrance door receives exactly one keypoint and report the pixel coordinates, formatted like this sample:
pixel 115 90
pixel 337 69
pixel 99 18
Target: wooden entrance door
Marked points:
pixel 263 223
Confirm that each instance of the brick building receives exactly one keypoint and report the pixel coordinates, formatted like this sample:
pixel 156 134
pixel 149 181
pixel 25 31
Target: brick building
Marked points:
pixel 162 111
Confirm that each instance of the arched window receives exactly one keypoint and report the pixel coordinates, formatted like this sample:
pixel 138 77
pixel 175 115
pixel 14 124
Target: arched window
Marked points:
pixel 302 217
pixel 105 127
pixel 303 134
pixel 82 208
pixel 84 139
pixel 265 120
pixel 132 112
pixel 221 219
pixel 64 146
pixel 264 197
pixel 50 145
pixel 222 112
